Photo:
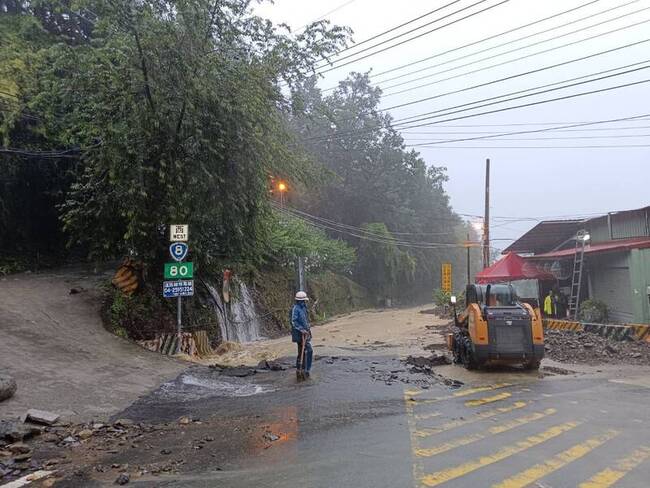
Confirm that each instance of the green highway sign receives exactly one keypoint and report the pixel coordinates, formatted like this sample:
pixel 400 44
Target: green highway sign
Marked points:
pixel 179 271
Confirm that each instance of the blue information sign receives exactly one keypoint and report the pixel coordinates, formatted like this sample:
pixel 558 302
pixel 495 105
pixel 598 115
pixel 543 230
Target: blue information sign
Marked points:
pixel 180 288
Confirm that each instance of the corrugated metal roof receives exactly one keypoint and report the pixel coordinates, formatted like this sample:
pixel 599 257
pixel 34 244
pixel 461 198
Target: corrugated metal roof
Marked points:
pixel 549 234
pixel 544 236
pixel 602 247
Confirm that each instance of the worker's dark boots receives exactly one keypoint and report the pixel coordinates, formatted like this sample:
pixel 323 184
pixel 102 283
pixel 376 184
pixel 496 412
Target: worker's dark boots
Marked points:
pixel 306 375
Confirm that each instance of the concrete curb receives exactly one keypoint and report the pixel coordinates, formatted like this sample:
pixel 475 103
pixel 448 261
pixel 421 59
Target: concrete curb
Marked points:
pixel 627 332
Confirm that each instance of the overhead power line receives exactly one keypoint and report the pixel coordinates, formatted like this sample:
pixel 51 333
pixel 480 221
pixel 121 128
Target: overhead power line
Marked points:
pixel 475 53
pixel 519 75
pixel 537 131
pixel 593 129
pixel 372 238
pixel 502 63
pixel 49 154
pixel 604 146
pixel 366 231
pixel 393 29
pixel 481 40
pixel 412 38
pixel 492 100
pixel 516 124
pixel 330 12
pixel 413 120
pixel 605 136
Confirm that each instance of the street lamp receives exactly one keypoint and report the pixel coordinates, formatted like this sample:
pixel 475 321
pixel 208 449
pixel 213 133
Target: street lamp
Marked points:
pixel 282 188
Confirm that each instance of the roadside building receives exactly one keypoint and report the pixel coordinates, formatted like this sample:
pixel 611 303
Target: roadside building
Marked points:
pixel 616 267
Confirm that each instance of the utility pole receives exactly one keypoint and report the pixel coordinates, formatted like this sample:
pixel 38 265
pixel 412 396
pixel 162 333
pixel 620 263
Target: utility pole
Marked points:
pixel 469 272
pixel 486 218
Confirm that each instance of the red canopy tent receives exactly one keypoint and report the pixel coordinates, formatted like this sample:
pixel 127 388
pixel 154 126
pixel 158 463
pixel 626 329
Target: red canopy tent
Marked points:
pixel 511 267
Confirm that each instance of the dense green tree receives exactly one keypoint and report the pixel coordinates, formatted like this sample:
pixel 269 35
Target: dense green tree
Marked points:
pixel 176 111
pixel 373 178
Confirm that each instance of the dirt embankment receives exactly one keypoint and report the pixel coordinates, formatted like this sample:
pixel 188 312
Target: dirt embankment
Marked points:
pixel 54 344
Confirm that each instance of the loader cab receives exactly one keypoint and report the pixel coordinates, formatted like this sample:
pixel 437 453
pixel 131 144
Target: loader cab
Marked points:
pixel 500 295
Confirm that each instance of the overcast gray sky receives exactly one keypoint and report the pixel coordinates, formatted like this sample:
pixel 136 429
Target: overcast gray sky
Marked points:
pixel 530 181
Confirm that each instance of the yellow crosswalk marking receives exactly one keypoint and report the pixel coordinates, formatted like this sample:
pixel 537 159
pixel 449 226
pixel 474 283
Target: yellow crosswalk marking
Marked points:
pixel 445 475
pixel 470 391
pixel 497 429
pixel 413 392
pixel 609 476
pixel 476 418
pixel 427 416
pixel 483 401
pixel 480 389
pixel 556 462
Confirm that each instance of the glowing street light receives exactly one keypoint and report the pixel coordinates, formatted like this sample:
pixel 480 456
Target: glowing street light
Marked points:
pixel 282 188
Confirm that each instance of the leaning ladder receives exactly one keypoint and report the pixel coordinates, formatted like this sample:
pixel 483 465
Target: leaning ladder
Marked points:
pixel 576 282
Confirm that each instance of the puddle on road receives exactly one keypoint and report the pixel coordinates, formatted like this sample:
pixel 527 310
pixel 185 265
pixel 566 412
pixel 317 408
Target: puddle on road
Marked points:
pixel 195 387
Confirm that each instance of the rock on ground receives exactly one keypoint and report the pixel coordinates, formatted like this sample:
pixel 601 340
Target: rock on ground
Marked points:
pixel 8 387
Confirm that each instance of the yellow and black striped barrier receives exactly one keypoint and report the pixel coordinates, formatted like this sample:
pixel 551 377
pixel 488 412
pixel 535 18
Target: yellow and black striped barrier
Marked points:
pixel 641 332
pixel 627 332
pixel 555 324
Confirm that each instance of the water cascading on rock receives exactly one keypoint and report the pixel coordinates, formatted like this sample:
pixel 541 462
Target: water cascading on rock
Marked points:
pixel 238 320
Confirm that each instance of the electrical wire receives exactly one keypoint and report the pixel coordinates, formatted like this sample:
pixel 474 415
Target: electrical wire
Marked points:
pixel 529 72
pixel 546 129
pixel 400 124
pixel 604 146
pixel 530 104
pixel 554 130
pixel 384 240
pixel 481 40
pixel 484 68
pixel 361 229
pixel 393 29
pixel 512 42
pixel 618 136
pixel 66 153
pixel 413 38
pixel 514 124
pixel 321 17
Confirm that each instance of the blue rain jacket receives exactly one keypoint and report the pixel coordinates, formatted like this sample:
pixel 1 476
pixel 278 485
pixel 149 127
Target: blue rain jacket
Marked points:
pixel 299 321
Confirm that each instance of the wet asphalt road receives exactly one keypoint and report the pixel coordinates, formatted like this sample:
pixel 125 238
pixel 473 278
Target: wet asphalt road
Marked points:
pixel 353 425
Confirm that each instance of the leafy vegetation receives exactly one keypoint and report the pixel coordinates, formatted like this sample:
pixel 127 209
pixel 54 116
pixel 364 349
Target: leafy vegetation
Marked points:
pixel 594 311
pixel 118 118
pixel 405 226
pixel 173 112
pixel 291 238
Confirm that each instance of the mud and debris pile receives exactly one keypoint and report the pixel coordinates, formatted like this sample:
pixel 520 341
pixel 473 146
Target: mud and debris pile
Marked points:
pixel 588 348
pixel 421 364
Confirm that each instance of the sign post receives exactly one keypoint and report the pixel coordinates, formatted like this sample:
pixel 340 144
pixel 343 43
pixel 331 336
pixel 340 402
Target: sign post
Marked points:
pixel 178 275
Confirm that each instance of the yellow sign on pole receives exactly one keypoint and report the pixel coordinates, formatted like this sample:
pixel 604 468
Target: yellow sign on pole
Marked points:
pixel 446 277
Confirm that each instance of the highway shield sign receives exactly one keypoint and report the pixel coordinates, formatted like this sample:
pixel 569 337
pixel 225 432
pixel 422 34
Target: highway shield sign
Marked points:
pixel 178 250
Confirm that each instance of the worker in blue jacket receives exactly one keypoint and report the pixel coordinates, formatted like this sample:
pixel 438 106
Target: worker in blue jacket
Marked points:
pixel 301 334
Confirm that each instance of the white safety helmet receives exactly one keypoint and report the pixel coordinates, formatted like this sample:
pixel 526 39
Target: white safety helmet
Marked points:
pixel 301 296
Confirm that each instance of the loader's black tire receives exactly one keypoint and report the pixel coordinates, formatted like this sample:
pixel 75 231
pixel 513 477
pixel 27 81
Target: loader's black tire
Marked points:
pixel 467 356
pixel 459 341
pixel 532 365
